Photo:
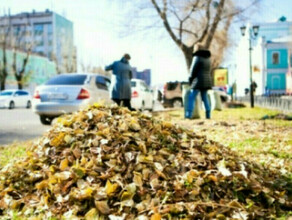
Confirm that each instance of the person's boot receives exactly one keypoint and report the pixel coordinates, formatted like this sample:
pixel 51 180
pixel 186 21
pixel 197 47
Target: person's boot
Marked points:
pixel 208 114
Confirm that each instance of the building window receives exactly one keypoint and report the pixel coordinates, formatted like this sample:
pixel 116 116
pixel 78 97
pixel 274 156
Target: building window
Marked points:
pixel 275 58
pixel 16 31
pixel 38 29
pixel 50 29
pixel 40 43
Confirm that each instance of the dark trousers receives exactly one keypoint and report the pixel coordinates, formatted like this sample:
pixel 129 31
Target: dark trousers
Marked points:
pixel 124 102
pixel 192 99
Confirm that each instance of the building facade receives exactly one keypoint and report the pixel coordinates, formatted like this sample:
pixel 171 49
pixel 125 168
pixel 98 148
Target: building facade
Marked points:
pixel 271 59
pixel 143 75
pixel 47 33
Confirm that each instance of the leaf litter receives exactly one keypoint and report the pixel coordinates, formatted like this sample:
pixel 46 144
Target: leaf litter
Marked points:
pixel 110 163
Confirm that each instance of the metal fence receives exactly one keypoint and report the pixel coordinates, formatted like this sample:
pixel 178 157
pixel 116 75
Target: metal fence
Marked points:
pixel 277 103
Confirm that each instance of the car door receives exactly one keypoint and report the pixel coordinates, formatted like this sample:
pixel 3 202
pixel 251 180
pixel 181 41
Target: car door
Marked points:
pixel 102 85
pixel 17 99
pixel 23 98
pixel 147 95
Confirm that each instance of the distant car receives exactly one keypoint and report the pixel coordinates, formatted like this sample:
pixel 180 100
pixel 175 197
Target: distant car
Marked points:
pixel 66 93
pixel 172 94
pixel 142 95
pixel 14 99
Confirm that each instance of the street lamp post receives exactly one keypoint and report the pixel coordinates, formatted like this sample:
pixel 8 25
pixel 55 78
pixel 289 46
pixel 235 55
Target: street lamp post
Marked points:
pixel 252 33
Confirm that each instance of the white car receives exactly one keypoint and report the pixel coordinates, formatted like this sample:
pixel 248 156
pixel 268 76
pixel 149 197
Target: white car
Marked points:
pixel 15 98
pixel 142 95
pixel 68 92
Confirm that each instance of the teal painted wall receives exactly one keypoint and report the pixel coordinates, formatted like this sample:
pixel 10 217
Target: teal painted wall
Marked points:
pixel 276 81
pixel 283 58
pixel 38 69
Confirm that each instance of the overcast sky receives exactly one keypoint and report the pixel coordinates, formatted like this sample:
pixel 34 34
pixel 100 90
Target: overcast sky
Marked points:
pixel 97 33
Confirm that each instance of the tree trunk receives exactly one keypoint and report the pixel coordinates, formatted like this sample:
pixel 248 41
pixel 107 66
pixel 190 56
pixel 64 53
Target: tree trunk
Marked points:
pixel 2 84
pixel 19 85
pixel 19 75
pixel 217 19
pixel 188 53
pixel 3 69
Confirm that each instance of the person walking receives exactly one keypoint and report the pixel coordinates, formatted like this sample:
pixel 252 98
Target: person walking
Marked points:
pixel 200 80
pixel 121 85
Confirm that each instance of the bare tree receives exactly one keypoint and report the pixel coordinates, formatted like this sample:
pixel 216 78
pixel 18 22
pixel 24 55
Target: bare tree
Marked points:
pixel 17 40
pixel 94 69
pixel 68 64
pixel 189 22
pixel 4 38
pixel 22 43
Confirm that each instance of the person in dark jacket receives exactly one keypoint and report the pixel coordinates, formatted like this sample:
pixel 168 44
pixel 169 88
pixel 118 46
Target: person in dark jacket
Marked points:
pixel 121 87
pixel 200 80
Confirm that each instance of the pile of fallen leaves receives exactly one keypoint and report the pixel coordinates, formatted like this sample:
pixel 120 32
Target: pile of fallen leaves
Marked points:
pixel 110 163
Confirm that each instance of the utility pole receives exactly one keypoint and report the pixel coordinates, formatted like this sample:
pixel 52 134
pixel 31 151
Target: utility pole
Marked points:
pixel 252 33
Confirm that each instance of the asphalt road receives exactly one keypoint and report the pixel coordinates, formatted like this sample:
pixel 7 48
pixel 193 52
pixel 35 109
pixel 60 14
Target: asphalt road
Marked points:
pixel 23 124
pixel 19 125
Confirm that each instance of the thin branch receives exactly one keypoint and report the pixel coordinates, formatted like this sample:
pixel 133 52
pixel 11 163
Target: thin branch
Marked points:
pixel 187 31
pixel 195 5
pixel 175 14
pixel 240 11
pixel 174 11
pixel 163 16
pixel 205 31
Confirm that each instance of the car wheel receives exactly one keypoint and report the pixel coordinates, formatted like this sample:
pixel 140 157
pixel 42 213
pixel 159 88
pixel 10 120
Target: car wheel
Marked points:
pixel 28 105
pixel 45 120
pixel 11 105
pixel 177 103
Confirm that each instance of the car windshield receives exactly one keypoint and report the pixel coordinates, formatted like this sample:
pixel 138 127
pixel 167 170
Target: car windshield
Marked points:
pixel 6 93
pixel 67 80
pixel 133 83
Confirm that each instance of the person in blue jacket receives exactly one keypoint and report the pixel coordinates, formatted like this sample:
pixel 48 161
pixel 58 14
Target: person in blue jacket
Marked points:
pixel 121 88
pixel 200 80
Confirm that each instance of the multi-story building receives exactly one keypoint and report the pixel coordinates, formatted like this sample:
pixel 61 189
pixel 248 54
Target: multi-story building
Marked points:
pixel 271 59
pixel 48 33
pixel 144 75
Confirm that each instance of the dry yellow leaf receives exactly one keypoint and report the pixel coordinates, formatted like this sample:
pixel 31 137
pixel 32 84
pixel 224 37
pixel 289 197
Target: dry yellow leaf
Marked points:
pixel 213 178
pixel 138 180
pixel 110 188
pixel 167 124
pixel 64 164
pixel 86 193
pixel 58 139
pixel 42 185
pixel 134 125
pixel 103 207
pixel 156 216
pixel 91 214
